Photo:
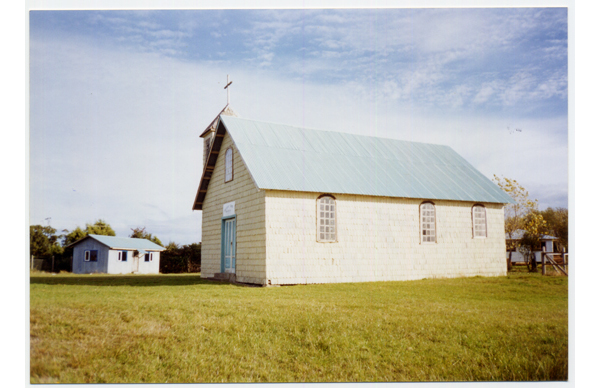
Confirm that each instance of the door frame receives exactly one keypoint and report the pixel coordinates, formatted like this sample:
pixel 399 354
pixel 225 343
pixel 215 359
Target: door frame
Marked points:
pixel 135 261
pixel 223 219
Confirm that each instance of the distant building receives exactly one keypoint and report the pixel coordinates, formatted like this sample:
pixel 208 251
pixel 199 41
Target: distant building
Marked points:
pixel 115 255
pixel 286 205
pixel 546 241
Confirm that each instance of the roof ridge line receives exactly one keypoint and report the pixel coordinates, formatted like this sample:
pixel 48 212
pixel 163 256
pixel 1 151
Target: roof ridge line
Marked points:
pixel 337 132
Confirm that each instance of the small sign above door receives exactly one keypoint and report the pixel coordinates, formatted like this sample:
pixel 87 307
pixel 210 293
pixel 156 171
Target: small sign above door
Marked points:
pixel 229 209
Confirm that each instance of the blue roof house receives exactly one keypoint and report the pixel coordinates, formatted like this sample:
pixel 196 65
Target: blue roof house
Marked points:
pixel 546 241
pixel 115 255
pixel 288 205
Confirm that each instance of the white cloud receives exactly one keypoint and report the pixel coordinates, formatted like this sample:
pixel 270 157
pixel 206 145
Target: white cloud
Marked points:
pixel 485 92
pixel 114 132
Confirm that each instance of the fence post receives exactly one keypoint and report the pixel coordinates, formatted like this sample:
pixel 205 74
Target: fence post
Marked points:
pixel 543 260
pixel 52 263
pixel 563 257
pixel 32 262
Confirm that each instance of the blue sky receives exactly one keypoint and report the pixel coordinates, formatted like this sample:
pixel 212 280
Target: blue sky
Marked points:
pixel 118 98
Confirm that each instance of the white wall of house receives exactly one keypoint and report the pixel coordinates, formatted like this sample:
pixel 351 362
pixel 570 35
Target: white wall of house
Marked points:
pixel 517 257
pixel 124 267
pixel 149 267
pixel 378 239
pixel 250 220
pixel 115 266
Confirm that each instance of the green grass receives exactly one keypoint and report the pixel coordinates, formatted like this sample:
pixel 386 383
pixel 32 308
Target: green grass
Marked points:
pixel 180 329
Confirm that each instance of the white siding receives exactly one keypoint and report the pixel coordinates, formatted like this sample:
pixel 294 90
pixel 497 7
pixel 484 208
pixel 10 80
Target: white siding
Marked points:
pixel 378 239
pixel 149 267
pixel 250 217
pixel 517 257
pixel 124 267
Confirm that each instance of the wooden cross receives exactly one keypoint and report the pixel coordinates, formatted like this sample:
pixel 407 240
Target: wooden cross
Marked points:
pixel 227 87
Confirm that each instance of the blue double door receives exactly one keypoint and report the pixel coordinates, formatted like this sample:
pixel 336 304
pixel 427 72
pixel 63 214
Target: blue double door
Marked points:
pixel 228 246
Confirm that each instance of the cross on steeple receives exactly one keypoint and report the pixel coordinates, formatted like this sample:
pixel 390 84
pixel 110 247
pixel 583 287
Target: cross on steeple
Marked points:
pixel 227 87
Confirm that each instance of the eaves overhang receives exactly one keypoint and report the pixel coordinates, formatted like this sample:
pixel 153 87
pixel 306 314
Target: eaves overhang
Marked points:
pixel 209 165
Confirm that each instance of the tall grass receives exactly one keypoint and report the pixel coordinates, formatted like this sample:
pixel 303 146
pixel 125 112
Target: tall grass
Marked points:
pixel 178 328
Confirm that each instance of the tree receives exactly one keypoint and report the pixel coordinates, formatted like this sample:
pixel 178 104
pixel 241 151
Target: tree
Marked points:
pixel 521 215
pixel 42 240
pixel 533 225
pixel 100 227
pixel 557 224
pixel 73 236
pixel 43 244
pixel 141 233
pixel 177 259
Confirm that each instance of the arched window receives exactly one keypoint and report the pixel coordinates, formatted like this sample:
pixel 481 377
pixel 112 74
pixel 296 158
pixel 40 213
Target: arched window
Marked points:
pixel 479 221
pixel 427 222
pixel 229 165
pixel 326 228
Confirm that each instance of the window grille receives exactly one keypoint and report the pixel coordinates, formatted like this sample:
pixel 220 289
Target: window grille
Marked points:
pixel 229 165
pixel 326 219
pixel 427 223
pixel 479 221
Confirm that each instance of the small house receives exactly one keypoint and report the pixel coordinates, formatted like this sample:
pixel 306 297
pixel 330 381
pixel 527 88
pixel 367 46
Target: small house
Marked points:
pixel 546 241
pixel 115 255
pixel 287 205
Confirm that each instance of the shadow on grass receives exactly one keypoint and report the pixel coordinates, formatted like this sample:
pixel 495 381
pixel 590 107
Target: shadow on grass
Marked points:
pixel 123 280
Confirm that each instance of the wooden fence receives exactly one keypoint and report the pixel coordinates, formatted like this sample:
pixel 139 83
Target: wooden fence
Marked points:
pixel 559 261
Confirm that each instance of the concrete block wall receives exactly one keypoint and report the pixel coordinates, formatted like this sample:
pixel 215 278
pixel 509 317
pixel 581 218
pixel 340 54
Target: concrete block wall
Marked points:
pixel 250 220
pixel 378 239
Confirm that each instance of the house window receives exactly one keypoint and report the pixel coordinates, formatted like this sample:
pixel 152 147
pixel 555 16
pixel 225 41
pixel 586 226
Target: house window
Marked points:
pixel 479 221
pixel 148 257
pixel 326 219
pixel 122 256
pixel 229 165
pixel 91 255
pixel 427 222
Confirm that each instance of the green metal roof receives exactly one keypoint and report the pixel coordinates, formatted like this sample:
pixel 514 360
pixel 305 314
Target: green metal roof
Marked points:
pixel 113 242
pixel 282 157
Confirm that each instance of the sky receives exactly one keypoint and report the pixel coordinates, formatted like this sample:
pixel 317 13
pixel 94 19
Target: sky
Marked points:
pixel 118 99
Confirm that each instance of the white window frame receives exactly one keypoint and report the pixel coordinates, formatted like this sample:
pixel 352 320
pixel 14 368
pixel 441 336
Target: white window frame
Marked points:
pixel 149 255
pixel 427 225
pixel 475 235
pixel 228 165
pixel 121 254
pixel 327 219
pixel 87 256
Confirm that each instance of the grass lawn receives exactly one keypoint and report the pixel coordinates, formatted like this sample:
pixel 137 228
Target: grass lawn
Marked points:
pixel 180 329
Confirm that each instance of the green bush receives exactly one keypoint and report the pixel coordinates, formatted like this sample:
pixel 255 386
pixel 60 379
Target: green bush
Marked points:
pixel 179 259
